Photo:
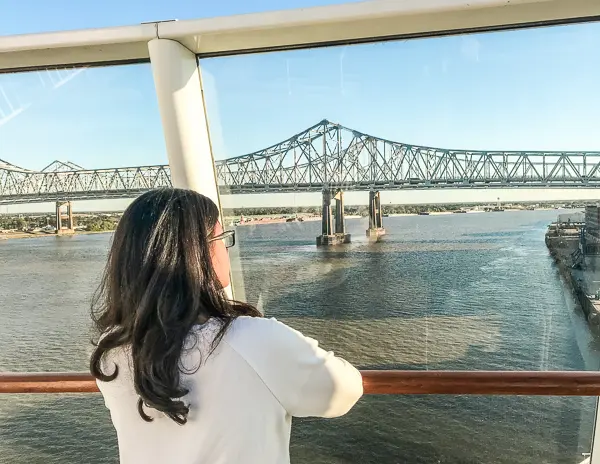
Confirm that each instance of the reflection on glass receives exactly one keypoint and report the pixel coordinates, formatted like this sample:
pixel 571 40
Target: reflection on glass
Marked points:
pixel 66 135
pixel 439 290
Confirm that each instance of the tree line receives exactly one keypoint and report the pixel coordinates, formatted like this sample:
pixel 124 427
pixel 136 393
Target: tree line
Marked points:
pixel 91 223
pixel 107 222
pixel 363 210
pixel 360 210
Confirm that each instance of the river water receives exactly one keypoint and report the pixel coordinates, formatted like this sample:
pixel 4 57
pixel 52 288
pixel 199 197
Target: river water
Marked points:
pixel 462 291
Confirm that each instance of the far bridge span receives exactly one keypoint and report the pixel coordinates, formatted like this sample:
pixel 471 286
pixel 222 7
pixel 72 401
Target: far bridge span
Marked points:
pixel 326 157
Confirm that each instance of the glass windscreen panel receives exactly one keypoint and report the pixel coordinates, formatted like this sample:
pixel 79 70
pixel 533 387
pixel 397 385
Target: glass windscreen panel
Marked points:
pixel 88 140
pixel 450 158
pixel 450 429
pixel 418 429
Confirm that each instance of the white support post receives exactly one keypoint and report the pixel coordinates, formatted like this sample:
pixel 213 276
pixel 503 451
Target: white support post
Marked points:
pixel 595 457
pixel 181 104
pixel 182 110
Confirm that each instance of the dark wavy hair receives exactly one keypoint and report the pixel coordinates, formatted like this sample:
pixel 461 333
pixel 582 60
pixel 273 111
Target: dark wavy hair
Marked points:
pixel 158 283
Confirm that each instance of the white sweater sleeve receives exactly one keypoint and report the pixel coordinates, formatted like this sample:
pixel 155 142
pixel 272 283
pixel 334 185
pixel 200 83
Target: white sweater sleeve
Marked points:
pixel 305 379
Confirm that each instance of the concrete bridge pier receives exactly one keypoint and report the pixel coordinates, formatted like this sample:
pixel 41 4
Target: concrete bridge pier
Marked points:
pixel 375 229
pixel 333 232
pixel 70 229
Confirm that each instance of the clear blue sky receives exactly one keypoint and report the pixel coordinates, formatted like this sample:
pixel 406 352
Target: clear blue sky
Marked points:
pixel 523 90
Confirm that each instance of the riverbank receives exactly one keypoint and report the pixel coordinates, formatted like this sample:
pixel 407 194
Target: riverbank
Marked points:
pixel 30 235
pixel 256 220
pixel 580 274
pixel 465 211
pixel 262 220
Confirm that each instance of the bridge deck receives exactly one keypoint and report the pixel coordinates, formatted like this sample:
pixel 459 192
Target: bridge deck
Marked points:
pixel 324 155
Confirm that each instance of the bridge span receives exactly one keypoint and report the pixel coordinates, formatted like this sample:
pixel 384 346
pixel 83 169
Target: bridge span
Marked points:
pixel 326 157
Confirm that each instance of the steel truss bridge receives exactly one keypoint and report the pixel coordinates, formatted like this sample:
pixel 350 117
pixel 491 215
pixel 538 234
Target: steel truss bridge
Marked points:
pixel 324 156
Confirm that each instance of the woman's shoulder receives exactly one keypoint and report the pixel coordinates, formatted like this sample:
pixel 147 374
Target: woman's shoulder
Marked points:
pixel 248 326
pixel 244 327
pixel 260 334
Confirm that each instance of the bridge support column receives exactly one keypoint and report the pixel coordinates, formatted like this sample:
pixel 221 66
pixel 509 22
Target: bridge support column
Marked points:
pixel 375 229
pixel 333 233
pixel 340 224
pixel 70 229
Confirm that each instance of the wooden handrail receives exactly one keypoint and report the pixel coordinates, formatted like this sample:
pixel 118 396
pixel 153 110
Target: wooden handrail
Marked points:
pixel 553 383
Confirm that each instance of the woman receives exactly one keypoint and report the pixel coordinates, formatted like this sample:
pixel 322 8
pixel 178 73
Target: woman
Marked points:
pixel 189 376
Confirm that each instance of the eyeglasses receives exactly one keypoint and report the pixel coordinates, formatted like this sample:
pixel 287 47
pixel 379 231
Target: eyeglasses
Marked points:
pixel 228 238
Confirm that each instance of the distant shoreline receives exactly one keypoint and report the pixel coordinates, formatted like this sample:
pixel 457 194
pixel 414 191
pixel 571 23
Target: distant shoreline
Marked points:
pixel 264 220
pixel 27 235
pixel 251 221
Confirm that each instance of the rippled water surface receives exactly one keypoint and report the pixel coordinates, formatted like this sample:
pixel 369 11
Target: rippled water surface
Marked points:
pixel 465 291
